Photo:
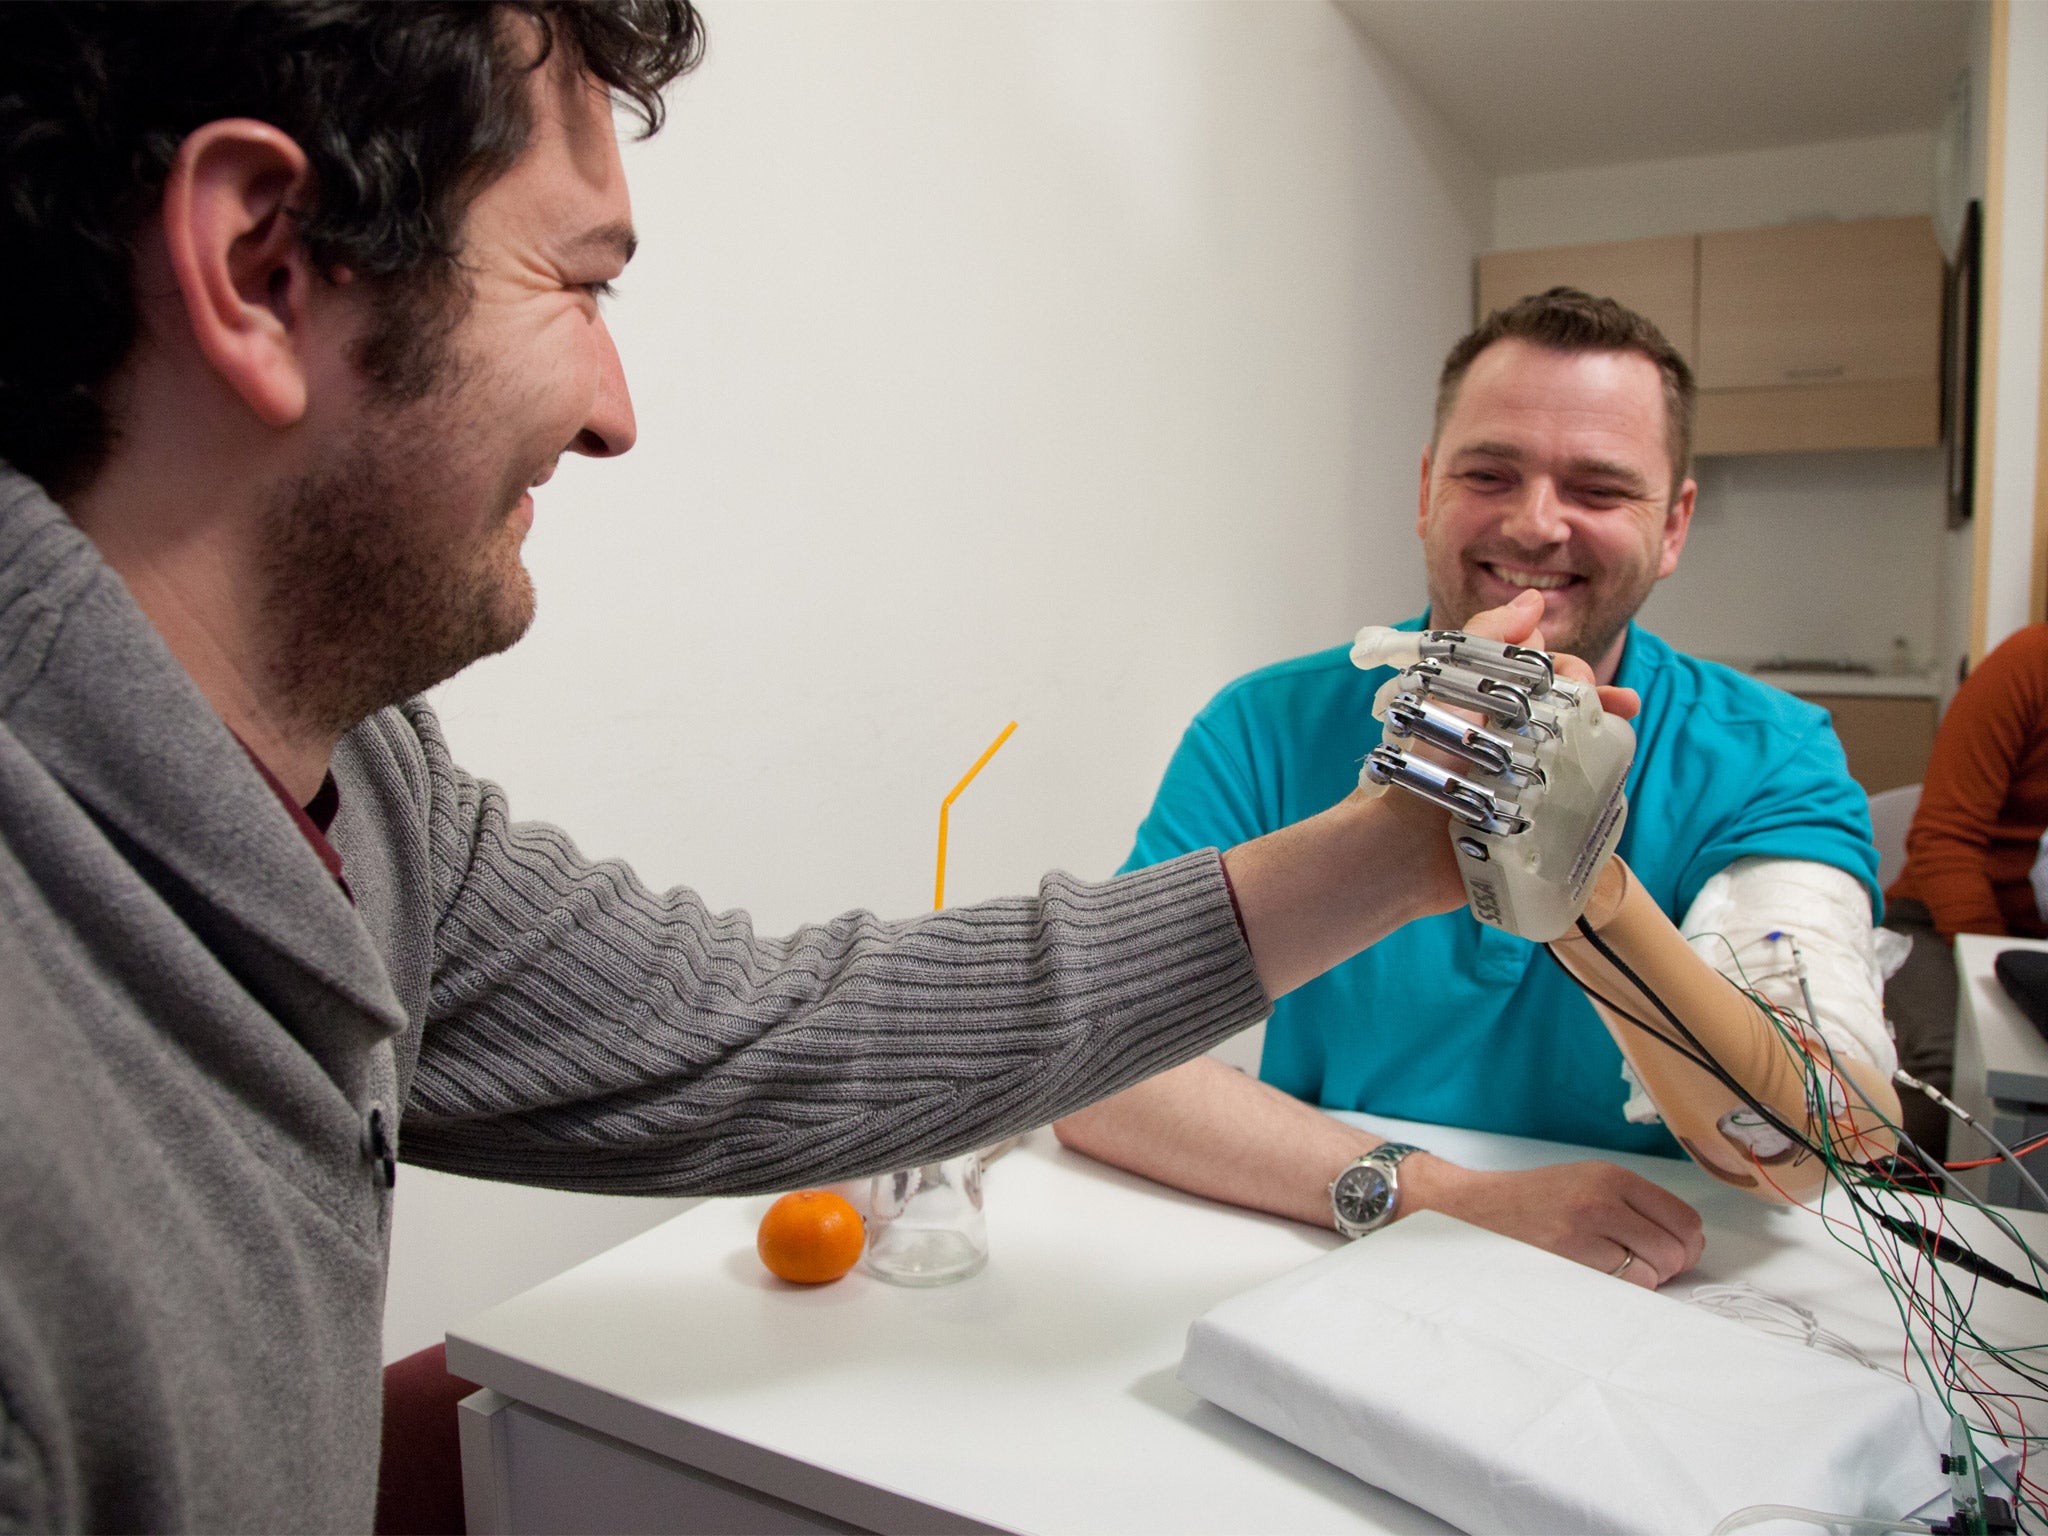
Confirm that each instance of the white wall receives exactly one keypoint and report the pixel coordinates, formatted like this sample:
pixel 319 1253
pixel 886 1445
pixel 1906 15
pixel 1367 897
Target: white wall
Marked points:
pixel 1780 558
pixel 1056 362
pixel 1817 555
pixel 1885 175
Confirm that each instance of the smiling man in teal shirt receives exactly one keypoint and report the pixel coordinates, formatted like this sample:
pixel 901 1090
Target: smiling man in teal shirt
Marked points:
pixel 1558 466
pixel 1725 768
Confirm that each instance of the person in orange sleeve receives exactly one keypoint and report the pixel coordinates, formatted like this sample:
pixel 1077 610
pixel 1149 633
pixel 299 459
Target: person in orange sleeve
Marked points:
pixel 1974 840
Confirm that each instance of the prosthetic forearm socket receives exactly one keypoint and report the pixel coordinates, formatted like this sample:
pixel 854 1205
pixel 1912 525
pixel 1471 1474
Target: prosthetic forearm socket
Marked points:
pixel 1534 789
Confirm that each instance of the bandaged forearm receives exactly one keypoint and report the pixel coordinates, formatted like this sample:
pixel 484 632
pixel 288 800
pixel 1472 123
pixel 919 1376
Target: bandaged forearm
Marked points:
pixel 1708 1055
pixel 1757 920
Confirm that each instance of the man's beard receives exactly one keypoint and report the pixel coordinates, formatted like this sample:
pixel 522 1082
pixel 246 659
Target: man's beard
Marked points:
pixel 365 609
pixel 1588 637
pixel 1600 626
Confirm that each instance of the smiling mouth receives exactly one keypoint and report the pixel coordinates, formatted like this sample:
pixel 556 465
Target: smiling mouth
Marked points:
pixel 1536 581
pixel 525 500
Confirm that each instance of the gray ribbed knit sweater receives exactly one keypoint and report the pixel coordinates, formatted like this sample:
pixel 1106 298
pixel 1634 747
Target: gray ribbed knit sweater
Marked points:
pixel 196 1027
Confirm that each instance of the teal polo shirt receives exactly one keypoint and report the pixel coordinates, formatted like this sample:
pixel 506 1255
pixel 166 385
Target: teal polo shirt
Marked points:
pixel 1449 1021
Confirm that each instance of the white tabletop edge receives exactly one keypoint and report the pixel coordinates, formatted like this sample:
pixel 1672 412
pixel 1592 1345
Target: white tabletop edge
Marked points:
pixel 739 1461
pixel 2014 1053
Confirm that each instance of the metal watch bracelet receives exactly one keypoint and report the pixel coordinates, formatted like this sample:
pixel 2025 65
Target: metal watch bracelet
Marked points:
pixel 1366 1195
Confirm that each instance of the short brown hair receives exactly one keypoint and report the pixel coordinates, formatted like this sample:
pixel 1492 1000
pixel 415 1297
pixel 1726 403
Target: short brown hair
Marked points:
pixel 1569 320
pixel 405 113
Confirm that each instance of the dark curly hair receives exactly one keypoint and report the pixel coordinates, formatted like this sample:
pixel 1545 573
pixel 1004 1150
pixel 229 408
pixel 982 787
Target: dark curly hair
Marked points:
pixel 1571 320
pixel 405 111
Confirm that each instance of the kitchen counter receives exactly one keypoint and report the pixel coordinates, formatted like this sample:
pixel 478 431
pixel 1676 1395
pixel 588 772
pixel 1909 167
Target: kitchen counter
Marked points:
pixel 1873 685
pixel 1885 720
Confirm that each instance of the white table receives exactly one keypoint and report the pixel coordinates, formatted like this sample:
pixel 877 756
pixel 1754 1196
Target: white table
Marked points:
pixel 2001 1070
pixel 673 1385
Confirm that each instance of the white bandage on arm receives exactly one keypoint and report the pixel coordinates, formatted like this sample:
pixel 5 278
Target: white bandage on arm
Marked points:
pixel 1744 923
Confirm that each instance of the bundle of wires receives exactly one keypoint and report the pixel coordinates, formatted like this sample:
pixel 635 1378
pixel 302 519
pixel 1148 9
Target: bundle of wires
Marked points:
pixel 1887 1217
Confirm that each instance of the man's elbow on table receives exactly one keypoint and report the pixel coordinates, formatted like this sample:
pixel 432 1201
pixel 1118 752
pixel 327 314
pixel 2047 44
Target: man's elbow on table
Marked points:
pixel 1073 1130
pixel 1122 1127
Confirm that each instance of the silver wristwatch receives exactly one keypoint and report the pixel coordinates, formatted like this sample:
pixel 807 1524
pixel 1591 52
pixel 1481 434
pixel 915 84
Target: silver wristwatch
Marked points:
pixel 1367 1194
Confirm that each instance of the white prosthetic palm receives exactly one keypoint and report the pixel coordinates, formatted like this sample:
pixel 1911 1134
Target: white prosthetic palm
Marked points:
pixel 1535 796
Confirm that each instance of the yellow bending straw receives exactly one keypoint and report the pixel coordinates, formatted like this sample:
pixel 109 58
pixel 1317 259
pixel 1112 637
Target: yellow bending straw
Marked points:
pixel 946 805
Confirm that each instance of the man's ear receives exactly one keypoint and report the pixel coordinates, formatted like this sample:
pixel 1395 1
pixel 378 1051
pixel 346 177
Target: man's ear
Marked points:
pixel 1677 520
pixel 231 236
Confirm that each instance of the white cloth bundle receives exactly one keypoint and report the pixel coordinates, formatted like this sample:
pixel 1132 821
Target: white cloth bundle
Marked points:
pixel 1503 1388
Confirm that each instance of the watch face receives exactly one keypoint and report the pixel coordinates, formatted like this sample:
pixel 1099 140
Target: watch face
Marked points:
pixel 1363 1194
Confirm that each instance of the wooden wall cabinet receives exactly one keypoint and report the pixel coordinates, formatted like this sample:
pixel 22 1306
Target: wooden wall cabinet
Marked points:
pixel 1655 278
pixel 1804 336
pixel 1824 335
pixel 1887 740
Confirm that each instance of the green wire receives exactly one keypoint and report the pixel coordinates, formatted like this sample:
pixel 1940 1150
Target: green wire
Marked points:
pixel 1946 1313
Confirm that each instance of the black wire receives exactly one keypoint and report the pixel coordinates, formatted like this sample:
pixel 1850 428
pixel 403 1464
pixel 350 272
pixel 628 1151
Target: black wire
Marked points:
pixel 1943 1365
pixel 1699 1054
pixel 1705 1063
pixel 1950 1251
pixel 1946 1249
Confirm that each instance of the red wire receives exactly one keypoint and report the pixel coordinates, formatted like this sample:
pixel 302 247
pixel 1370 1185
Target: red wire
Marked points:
pixel 1925 1308
pixel 1985 1162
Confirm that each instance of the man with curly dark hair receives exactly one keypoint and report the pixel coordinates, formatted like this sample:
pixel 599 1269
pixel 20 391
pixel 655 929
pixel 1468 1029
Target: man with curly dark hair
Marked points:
pixel 304 302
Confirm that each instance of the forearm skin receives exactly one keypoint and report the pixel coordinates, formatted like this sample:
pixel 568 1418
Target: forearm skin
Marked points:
pixel 1214 1131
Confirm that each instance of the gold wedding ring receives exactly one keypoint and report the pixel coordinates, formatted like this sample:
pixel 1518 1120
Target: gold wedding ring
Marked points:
pixel 1628 1257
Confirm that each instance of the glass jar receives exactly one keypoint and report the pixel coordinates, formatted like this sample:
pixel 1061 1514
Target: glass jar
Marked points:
pixel 925 1225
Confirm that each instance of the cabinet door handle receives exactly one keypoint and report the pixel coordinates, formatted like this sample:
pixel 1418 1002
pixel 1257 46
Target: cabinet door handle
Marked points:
pixel 1831 371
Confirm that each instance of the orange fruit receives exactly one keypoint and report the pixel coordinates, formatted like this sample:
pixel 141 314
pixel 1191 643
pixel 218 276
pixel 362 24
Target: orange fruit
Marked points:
pixel 810 1237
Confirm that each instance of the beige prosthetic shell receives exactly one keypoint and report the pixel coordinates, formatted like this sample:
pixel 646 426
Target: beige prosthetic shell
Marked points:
pixel 1735 1032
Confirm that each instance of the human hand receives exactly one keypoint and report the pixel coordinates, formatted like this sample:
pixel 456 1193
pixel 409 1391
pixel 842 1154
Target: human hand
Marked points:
pixel 1521 623
pixel 1593 1213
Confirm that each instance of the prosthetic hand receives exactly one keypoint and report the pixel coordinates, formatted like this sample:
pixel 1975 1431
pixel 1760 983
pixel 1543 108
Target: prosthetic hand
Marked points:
pixel 1537 807
pixel 1536 797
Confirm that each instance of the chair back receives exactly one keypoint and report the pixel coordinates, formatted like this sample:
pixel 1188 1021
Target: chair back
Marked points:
pixel 1891 816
